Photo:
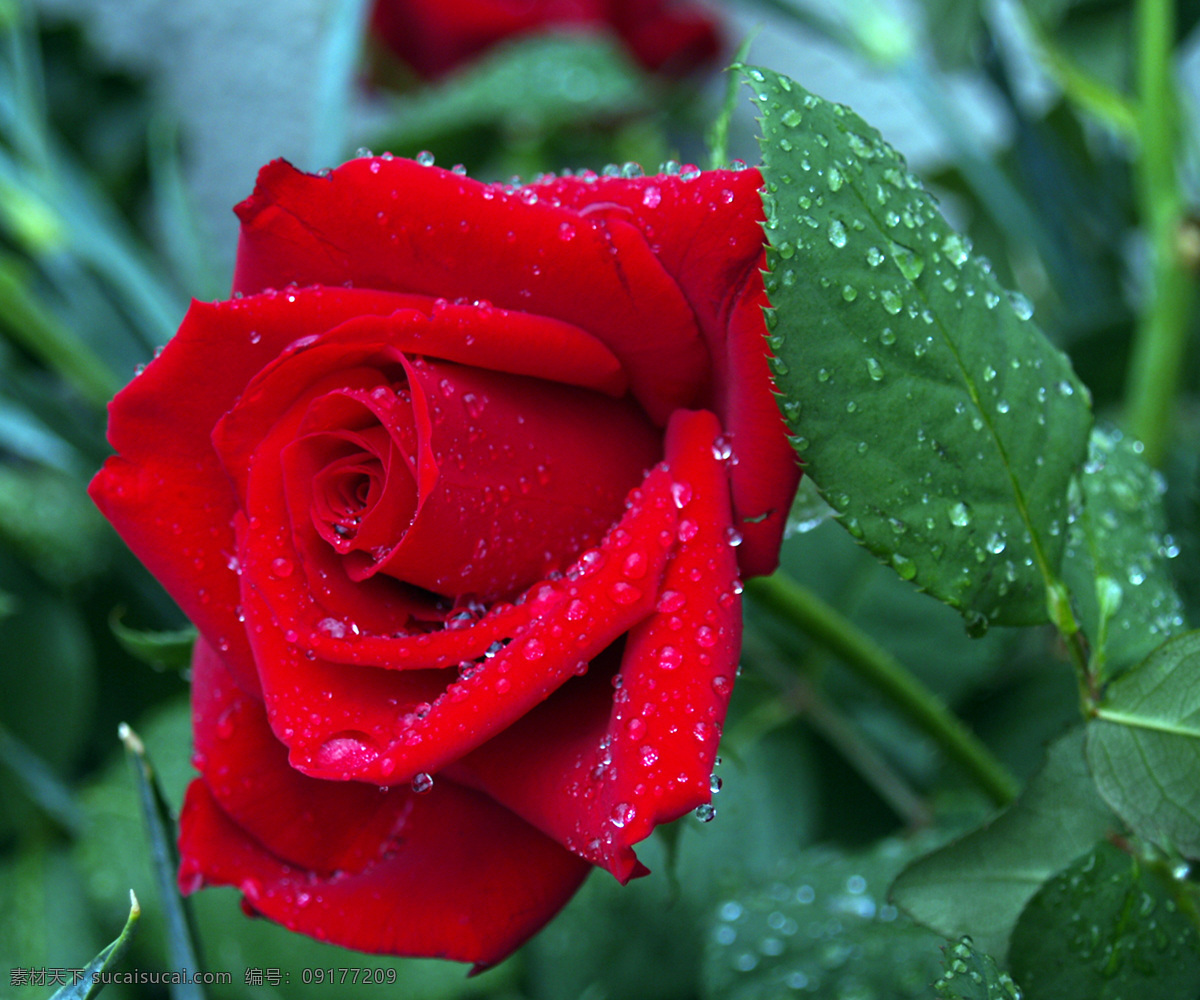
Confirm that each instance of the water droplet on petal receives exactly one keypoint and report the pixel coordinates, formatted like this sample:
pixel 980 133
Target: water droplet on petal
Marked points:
pixel 624 593
pixel 669 658
pixel 622 813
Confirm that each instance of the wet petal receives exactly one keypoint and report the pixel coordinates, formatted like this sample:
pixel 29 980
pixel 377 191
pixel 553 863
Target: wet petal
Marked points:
pixel 707 234
pixel 442 891
pixel 442 234
pixel 609 757
pixel 245 769
pixel 385 725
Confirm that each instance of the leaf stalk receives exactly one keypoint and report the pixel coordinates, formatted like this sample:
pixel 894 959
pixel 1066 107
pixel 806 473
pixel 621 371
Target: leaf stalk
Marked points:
pixel 810 614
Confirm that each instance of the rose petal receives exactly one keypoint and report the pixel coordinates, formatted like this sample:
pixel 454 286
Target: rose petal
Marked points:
pixel 332 826
pixel 708 235
pixel 442 892
pixel 529 474
pixel 525 252
pixel 434 37
pixel 491 517
pixel 385 725
pixel 671 38
pixel 165 491
pixel 700 236
pixel 764 470
pixel 598 770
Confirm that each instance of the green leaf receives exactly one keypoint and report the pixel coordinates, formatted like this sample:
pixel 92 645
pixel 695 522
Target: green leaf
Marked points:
pixel 930 410
pixel 1106 928
pixel 978 885
pixel 528 84
pixel 86 986
pixel 42 921
pixel 40 782
pixel 821 926
pixel 1143 746
pixel 156 814
pixel 926 637
pixel 48 521
pixel 29 323
pixel 170 650
pixel 973 975
pixel 959 24
pixel 1117 553
pixel 48 670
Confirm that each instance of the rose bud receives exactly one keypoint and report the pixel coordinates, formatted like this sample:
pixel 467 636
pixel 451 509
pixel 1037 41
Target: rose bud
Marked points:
pixel 434 37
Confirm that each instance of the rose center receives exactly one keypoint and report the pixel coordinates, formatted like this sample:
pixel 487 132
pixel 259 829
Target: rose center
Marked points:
pixel 349 471
pixel 461 481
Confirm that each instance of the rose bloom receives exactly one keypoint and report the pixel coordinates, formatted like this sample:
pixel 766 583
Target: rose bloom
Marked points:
pixel 453 489
pixel 435 36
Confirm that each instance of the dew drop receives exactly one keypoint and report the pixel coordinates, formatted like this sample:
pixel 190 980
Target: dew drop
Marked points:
pixel 1021 305
pixel 624 593
pixel 910 262
pixel 957 249
pixel 622 813
pixel 669 658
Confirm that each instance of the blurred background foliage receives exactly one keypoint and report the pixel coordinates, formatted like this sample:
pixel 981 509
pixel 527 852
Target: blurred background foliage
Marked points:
pixel 127 130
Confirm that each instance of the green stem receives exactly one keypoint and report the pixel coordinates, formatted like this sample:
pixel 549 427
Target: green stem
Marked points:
pixel 1087 665
pixel 789 600
pixel 1161 340
pixel 1096 97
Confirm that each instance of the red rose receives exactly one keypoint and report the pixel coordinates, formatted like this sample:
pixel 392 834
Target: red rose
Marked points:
pixel 459 500
pixel 434 36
